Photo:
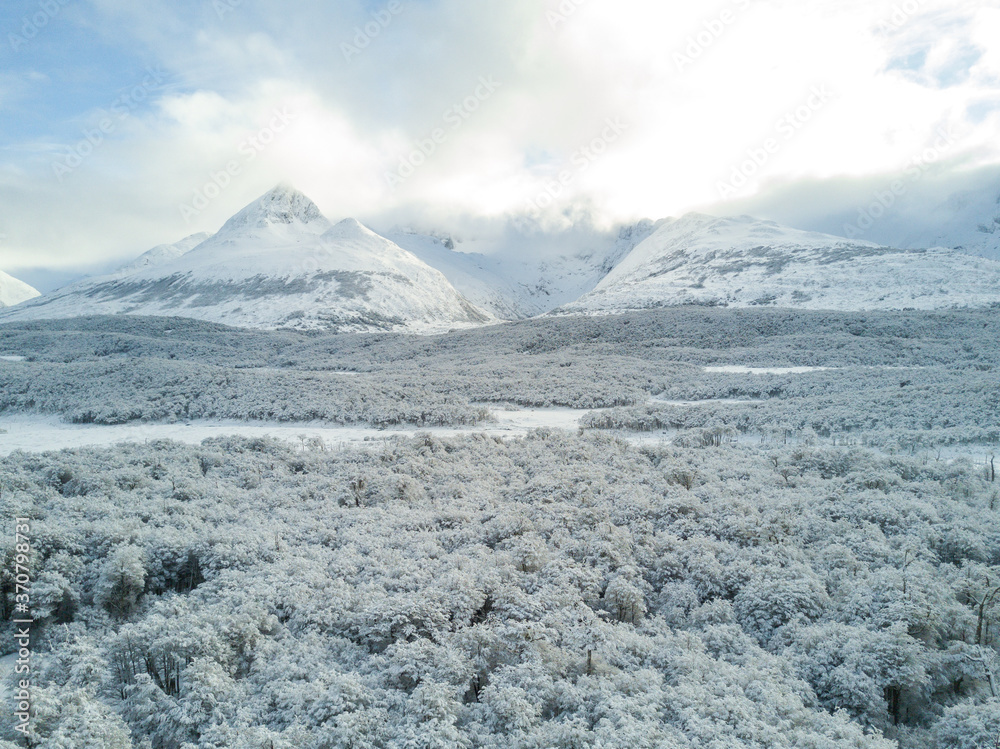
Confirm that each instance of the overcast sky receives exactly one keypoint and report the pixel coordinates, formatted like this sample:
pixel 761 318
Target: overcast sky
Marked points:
pixel 128 124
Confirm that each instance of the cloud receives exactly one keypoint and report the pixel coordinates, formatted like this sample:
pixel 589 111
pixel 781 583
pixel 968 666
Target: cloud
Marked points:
pixel 697 90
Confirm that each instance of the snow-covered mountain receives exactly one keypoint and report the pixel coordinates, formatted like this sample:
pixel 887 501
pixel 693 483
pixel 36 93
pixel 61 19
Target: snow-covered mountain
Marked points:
pixel 958 211
pixel 163 253
pixel 280 263
pixel 77 289
pixel 967 221
pixel 743 262
pixel 519 272
pixel 277 263
pixel 13 291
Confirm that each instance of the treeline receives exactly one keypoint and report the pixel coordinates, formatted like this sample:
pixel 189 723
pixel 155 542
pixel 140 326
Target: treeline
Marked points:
pixel 118 392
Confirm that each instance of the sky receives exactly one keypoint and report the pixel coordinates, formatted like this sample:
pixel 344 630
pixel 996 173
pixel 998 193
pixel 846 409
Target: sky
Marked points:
pixel 124 125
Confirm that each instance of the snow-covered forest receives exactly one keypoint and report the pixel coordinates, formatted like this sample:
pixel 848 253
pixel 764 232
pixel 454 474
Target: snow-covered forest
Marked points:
pixel 892 378
pixel 553 591
pixel 795 566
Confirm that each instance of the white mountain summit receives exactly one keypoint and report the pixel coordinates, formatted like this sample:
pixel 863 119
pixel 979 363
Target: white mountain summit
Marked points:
pixel 278 263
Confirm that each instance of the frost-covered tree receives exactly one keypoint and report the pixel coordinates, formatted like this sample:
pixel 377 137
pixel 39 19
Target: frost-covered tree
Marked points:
pixel 122 581
pixel 969 726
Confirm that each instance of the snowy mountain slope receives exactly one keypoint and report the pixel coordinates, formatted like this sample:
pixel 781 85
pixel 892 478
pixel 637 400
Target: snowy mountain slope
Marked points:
pixel 522 273
pixel 478 277
pixel 13 291
pixel 163 253
pixel 156 256
pixel 279 263
pixel 968 221
pixel 958 211
pixel 742 261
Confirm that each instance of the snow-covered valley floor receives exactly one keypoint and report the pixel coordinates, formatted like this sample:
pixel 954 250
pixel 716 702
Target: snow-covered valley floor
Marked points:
pixel 40 433
pixel 37 433
pixel 741 369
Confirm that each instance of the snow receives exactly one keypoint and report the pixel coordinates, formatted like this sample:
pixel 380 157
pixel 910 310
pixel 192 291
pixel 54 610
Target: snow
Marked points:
pixel 745 262
pixel 42 433
pixel 481 279
pixel 279 263
pixel 282 205
pixel 158 255
pixel 538 418
pixel 163 253
pixel 661 401
pixel 740 369
pixel 13 291
pixel 37 433
pixel 964 219
pixel 523 271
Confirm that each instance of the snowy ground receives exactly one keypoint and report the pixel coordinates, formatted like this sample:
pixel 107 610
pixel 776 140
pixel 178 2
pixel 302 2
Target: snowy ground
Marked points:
pixel 660 400
pixel 740 369
pixel 35 433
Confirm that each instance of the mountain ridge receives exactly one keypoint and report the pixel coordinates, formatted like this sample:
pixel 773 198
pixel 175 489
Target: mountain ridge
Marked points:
pixel 743 261
pixel 279 262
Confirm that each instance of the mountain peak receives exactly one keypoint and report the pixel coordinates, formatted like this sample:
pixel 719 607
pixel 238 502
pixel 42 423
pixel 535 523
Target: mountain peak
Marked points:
pixel 281 205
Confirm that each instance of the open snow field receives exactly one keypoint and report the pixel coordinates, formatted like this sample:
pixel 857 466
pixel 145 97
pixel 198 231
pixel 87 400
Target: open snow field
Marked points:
pixel 43 433
pixel 34 433
pixel 741 369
